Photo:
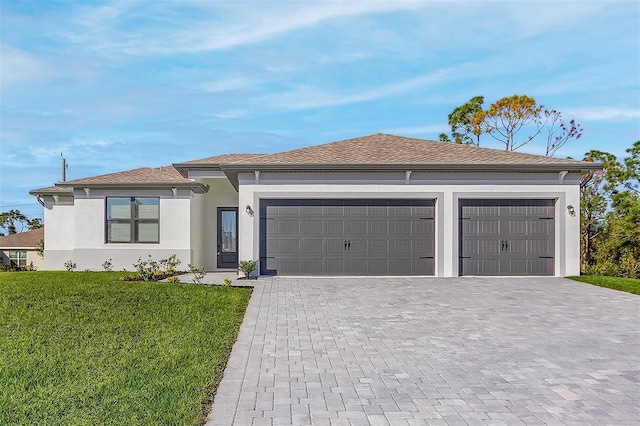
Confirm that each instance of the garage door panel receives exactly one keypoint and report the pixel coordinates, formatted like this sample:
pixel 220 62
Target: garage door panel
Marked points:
pixel 290 247
pixel 489 227
pixel 313 247
pixel 489 267
pixel 335 227
pixel 313 227
pixel 289 227
pixel 334 246
pixel 357 237
pixel 358 247
pixel 514 237
pixel 313 266
pixel 379 247
pixel 334 266
pixel 379 227
pixel 358 227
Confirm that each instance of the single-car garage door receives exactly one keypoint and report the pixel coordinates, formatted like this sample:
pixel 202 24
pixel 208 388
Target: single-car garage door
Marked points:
pixel 507 237
pixel 347 237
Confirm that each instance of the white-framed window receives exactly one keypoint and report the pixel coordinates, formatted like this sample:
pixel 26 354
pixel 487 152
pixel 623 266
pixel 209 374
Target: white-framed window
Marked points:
pixel 133 220
pixel 18 258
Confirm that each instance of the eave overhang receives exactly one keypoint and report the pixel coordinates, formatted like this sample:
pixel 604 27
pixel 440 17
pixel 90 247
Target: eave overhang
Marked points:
pixel 196 187
pixel 232 170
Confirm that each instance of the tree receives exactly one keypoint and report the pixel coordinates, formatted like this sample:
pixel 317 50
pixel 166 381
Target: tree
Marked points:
pixel 13 222
pixel 513 120
pixel 610 215
pixel 35 223
pixel 559 133
pixel 505 118
pixel 594 190
pixel 461 121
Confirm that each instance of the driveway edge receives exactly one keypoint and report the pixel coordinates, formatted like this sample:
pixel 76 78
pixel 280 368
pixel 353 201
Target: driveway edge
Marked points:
pixel 225 404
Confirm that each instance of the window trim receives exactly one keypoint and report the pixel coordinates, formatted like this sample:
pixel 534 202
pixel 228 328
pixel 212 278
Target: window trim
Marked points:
pixel 133 222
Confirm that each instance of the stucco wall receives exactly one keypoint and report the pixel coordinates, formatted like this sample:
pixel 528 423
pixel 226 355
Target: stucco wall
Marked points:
pixel 204 213
pixel 59 233
pixel 77 232
pixel 446 189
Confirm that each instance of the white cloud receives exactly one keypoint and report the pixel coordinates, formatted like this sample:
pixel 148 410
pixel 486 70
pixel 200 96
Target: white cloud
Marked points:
pixel 604 113
pixel 243 25
pixel 18 66
pixel 314 97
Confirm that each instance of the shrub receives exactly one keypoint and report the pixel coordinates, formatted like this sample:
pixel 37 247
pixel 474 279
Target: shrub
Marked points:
pixel 198 273
pixel 69 265
pixel 107 265
pixel 173 279
pixel 247 267
pixel 150 270
pixel 226 282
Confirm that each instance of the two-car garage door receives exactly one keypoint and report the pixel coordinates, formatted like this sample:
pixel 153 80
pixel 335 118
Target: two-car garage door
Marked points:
pixel 347 237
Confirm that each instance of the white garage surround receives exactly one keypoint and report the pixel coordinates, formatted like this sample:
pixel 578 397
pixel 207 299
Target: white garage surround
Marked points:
pixel 447 189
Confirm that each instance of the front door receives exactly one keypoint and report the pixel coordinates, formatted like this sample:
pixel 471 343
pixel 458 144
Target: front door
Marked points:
pixel 227 237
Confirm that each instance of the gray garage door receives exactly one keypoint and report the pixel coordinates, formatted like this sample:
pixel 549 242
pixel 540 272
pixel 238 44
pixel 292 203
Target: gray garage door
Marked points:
pixel 347 237
pixel 506 237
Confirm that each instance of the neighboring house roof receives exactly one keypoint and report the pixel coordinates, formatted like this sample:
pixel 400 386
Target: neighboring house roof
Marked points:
pixel 28 239
pixel 385 150
pixel 146 177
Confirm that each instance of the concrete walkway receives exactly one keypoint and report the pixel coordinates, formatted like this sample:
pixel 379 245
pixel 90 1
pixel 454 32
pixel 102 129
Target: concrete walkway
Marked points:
pixel 422 351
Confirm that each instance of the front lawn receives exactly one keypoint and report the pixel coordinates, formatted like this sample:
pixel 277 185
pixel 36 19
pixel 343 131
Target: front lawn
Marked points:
pixel 630 285
pixel 85 348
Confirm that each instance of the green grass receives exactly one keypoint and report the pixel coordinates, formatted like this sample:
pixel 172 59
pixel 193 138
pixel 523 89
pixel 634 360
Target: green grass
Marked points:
pixel 86 349
pixel 630 285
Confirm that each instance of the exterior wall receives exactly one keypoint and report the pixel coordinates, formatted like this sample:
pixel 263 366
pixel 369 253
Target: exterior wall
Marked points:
pixel 59 236
pixel 204 213
pixel 77 231
pixel 446 188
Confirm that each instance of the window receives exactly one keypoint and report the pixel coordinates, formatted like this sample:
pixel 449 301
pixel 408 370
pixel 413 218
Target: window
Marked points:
pixel 133 220
pixel 18 258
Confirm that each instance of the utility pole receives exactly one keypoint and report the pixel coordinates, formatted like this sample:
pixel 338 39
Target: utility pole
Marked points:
pixel 64 168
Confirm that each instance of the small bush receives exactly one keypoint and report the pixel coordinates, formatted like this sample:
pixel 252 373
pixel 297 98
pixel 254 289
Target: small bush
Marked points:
pixel 107 265
pixel 198 273
pixel 150 270
pixel 247 267
pixel 173 279
pixel 69 265
pixel 226 282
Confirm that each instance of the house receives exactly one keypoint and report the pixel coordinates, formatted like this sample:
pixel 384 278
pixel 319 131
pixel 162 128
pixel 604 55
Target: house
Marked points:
pixel 373 205
pixel 22 249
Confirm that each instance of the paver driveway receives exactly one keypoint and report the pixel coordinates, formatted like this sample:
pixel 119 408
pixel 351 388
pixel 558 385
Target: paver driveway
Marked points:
pixel 357 351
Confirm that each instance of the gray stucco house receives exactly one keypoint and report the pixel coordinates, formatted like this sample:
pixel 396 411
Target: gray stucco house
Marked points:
pixel 374 205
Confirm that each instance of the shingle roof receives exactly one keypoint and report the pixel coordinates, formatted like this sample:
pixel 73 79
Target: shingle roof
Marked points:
pixel 383 149
pixel 52 190
pixel 163 175
pixel 224 158
pixel 28 239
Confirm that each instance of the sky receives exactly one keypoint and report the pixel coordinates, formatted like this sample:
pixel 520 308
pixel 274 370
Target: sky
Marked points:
pixel 114 86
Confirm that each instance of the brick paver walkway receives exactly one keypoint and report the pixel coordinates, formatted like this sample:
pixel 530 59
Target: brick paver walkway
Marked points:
pixel 412 351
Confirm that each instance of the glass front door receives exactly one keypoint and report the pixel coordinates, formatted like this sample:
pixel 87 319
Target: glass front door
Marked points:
pixel 227 237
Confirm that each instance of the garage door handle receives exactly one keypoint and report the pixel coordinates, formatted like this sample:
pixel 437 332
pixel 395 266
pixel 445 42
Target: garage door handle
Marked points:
pixel 545 257
pixel 426 257
pixel 349 245
pixel 345 244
